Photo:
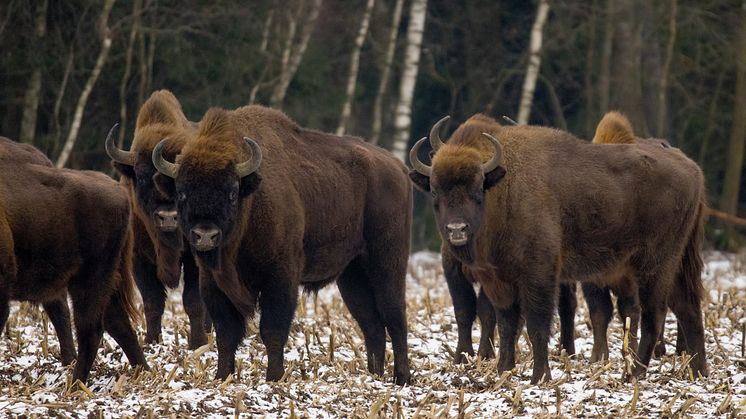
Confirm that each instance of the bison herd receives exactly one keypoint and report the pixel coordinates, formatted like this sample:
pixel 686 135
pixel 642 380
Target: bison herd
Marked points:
pixel 247 206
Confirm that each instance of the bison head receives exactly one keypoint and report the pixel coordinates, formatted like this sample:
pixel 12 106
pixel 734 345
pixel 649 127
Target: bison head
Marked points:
pixel 208 197
pixel 458 181
pixel 158 208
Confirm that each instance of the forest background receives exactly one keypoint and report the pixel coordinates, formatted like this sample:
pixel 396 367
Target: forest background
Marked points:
pixel 386 70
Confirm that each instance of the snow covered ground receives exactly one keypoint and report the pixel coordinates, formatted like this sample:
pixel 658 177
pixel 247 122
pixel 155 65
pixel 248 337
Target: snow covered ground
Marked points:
pixel 325 359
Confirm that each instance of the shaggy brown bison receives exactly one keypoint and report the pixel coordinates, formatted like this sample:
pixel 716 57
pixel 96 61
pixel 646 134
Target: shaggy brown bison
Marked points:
pixel 541 207
pixel 88 255
pixel 56 309
pixel 158 250
pixel 292 207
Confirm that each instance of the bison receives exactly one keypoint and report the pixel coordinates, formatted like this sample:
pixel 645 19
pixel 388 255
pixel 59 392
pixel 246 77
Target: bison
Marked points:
pixel 158 251
pixel 77 223
pixel 292 207
pixel 540 207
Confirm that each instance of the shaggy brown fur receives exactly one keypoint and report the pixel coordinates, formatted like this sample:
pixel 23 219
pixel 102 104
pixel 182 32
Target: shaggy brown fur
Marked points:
pixel 86 256
pixel 557 210
pixel 614 128
pixel 320 208
pixel 159 255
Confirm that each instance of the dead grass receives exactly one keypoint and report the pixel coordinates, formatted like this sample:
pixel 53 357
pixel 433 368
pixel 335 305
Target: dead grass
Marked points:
pixel 326 376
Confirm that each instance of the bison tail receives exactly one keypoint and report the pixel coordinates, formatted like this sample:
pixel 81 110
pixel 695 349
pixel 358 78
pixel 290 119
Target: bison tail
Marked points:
pixel 614 128
pixel 690 272
pixel 125 291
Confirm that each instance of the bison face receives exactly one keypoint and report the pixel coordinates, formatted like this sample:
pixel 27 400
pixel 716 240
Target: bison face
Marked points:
pixel 159 209
pixel 208 200
pixel 458 181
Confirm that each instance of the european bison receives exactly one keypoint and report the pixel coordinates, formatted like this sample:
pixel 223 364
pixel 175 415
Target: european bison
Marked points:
pixel 542 207
pixel 295 207
pixel 158 250
pixel 68 231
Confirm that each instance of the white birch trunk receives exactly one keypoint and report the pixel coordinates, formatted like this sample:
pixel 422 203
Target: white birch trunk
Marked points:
pixel 385 73
pixel 354 66
pixel 295 55
pixel 83 99
pixel 33 90
pixel 534 62
pixel 403 119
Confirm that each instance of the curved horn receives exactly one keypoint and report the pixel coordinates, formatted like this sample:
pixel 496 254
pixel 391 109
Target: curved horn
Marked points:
pixel 418 165
pixel 251 165
pixel 166 167
pixel 435 141
pixel 497 158
pixel 116 154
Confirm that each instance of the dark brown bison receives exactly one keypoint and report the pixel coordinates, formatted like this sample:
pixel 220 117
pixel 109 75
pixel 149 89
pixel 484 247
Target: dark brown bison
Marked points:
pixel 541 207
pixel 56 309
pixel 295 207
pixel 65 231
pixel 158 250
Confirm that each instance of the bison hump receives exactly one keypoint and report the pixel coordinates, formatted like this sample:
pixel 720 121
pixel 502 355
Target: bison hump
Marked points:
pixel 614 128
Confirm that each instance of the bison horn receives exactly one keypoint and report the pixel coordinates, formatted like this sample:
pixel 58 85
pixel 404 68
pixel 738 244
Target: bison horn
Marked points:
pixel 418 165
pixel 116 154
pixel 251 165
pixel 166 167
pixel 497 158
pixel 435 141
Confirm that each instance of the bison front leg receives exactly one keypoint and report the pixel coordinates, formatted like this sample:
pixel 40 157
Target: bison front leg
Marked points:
pixel 628 306
pixel 193 304
pixel 600 310
pixel 277 303
pixel 487 321
pixel 509 325
pixel 568 304
pixel 537 301
pixel 464 305
pixel 59 315
pixel 153 296
pixel 230 325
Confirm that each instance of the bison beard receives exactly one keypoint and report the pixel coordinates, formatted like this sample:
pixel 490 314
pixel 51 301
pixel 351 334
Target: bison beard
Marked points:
pixel 565 210
pixel 316 208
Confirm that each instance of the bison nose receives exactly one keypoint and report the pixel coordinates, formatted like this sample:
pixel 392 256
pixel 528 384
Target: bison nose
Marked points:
pixel 204 239
pixel 166 220
pixel 457 233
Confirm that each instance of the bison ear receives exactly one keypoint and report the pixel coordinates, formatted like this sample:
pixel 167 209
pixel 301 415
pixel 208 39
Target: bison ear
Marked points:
pixel 491 178
pixel 249 184
pixel 165 185
pixel 124 169
pixel 420 181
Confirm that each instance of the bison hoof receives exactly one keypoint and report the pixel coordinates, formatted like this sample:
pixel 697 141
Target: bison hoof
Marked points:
pixel 462 355
pixel 660 350
pixel 541 377
pixel 486 353
pixel 402 378
pixel 599 355
pixel 275 374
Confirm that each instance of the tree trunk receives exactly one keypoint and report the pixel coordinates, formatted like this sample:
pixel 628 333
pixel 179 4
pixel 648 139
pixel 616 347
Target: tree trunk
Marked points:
pixel 386 71
pixel 60 96
pixel 263 50
pixel 83 99
pixel 734 165
pixel 663 88
pixel 403 120
pixel 591 118
pixel 604 81
pixel 354 66
pixel 627 83
pixel 33 91
pixel 136 10
pixel 295 55
pixel 534 61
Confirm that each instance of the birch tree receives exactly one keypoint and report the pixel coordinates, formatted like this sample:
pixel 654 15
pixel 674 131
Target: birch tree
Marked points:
pixel 294 50
pixel 403 118
pixel 534 61
pixel 33 91
pixel 103 54
pixel 354 66
pixel 388 60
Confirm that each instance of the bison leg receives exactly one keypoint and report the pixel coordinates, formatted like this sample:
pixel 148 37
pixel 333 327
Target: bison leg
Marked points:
pixel 628 306
pixel 487 321
pixel 59 315
pixel 117 324
pixel 277 303
pixel 537 303
pixel 359 299
pixel 193 304
pixel 4 309
pixel 568 303
pixel 653 305
pixel 230 326
pixel 153 296
pixel 464 306
pixel 691 335
pixel 88 307
pixel 600 309
pixel 509 325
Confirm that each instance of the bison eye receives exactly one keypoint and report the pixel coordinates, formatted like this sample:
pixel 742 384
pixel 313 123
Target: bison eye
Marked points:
pixel 182 196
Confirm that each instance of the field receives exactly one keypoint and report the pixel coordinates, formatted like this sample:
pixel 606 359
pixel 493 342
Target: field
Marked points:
pixel 326 377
